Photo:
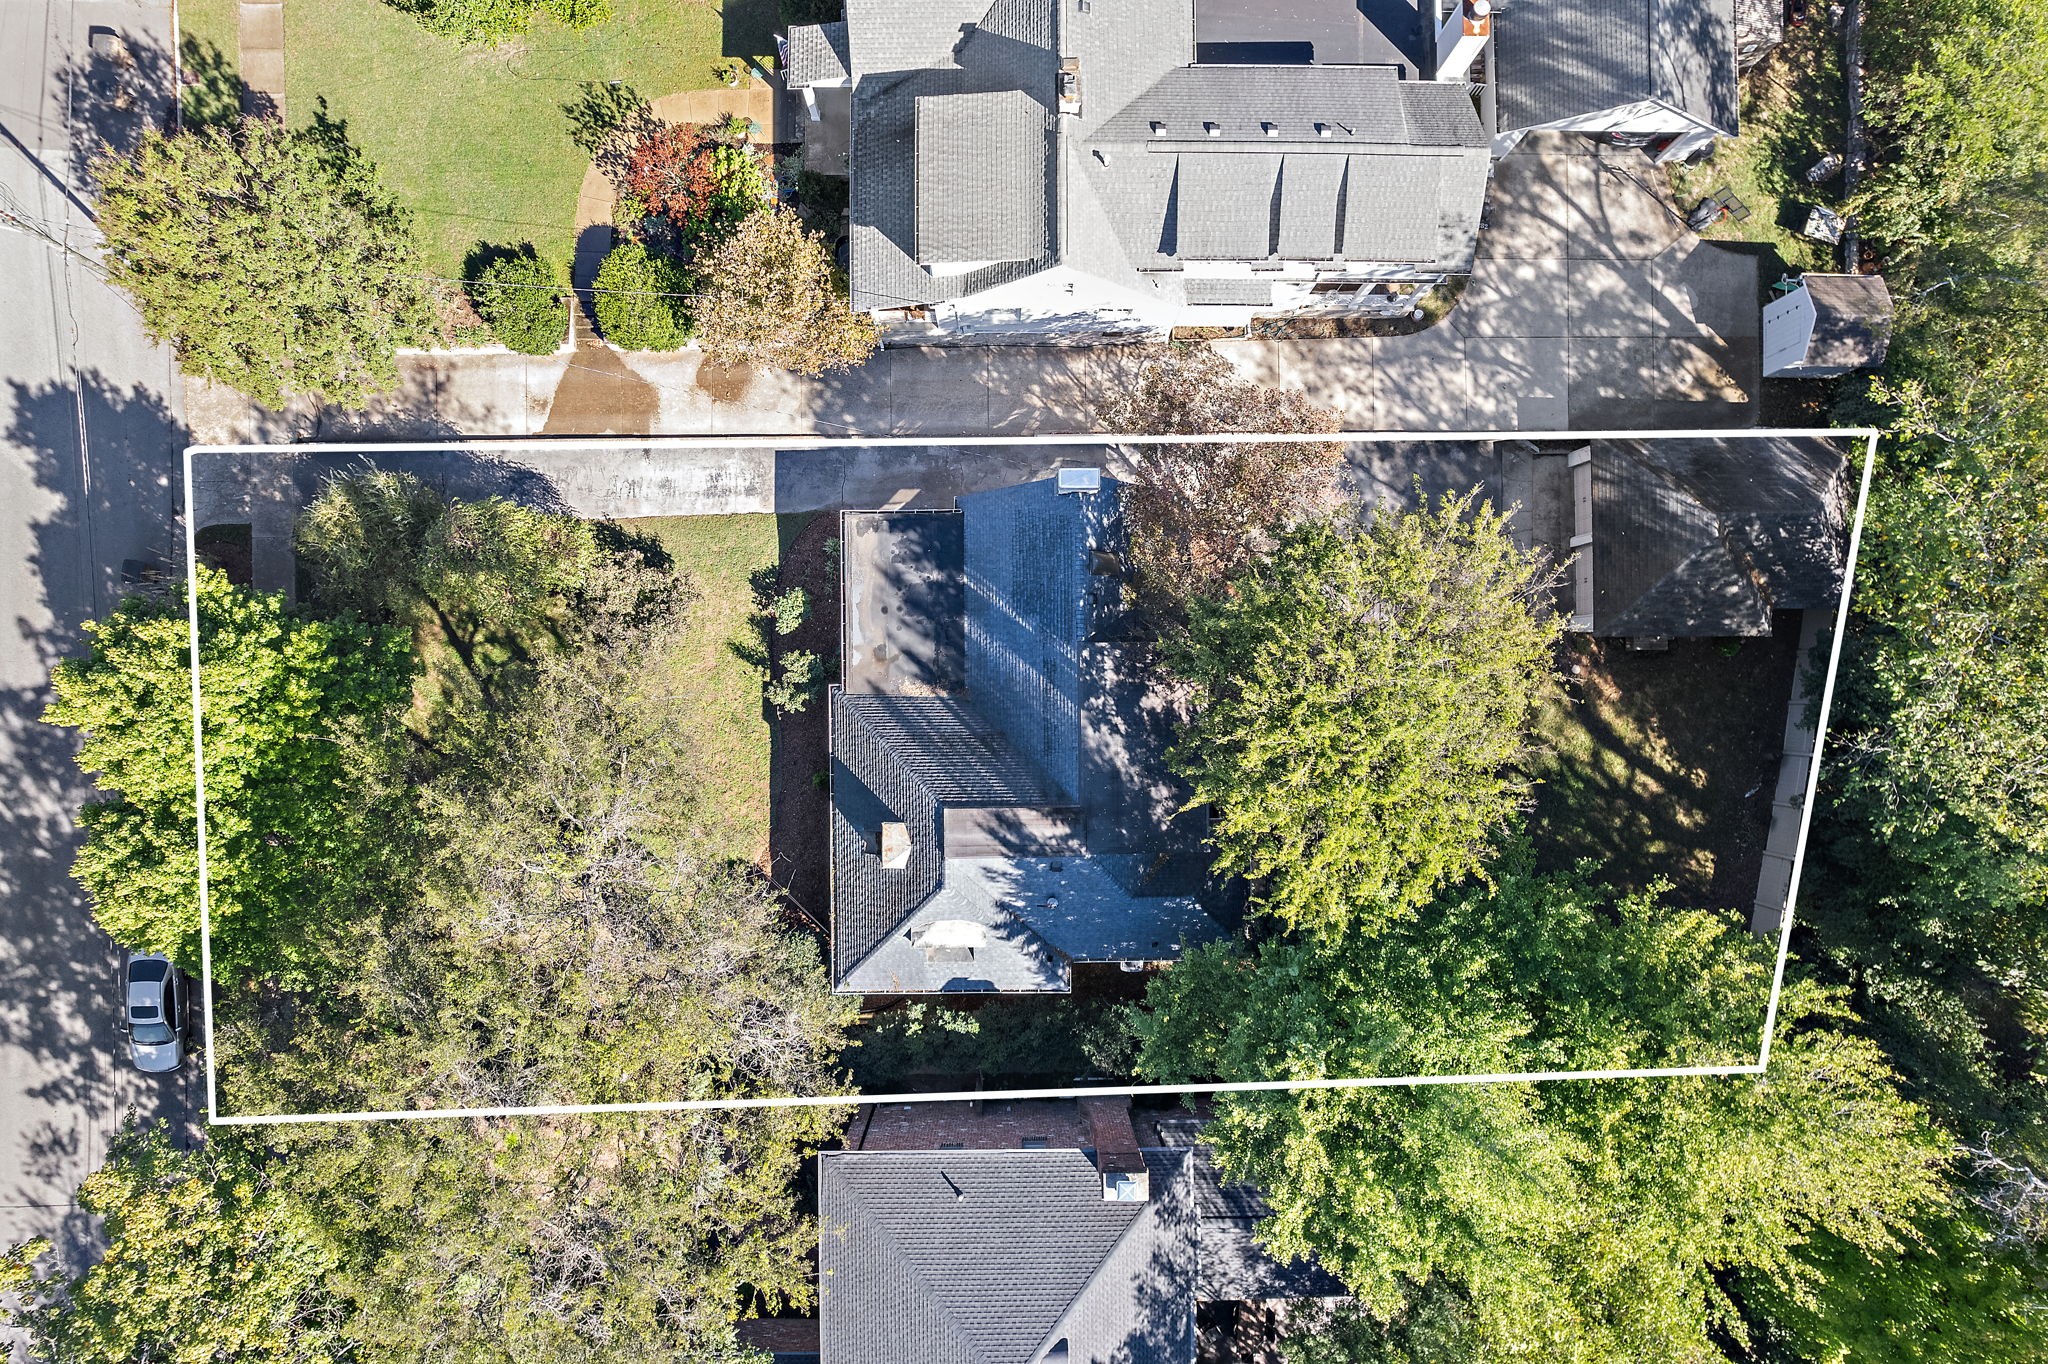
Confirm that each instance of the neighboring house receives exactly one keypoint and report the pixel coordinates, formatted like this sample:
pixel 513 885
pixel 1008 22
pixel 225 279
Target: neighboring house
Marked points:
pixel 1035 168
pixel 1031 1232
pixel 1827 326
pixel 1705 537
pixel 1000 805
pixel 1658 69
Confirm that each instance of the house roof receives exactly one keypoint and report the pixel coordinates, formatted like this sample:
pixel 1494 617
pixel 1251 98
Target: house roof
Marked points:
pixel 1709 537
pixel 1019 745
pixel 1564 59
pixel 965 178
pixel 817 55
pixel 989 1257
pixel 1231 1265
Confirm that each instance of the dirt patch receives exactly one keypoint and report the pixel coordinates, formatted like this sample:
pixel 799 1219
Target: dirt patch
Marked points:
pixel 229 548
pixel 725 383
pixel 798 847
pixel 1662 766
pixel 600 396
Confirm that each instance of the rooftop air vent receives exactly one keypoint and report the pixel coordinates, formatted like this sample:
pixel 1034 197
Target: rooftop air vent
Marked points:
pixel 1212 129
pixel 1158 128
pixel 1322 130
pixel 1272 128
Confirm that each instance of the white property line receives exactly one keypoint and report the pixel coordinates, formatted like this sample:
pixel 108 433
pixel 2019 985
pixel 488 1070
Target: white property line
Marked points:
pixel 215 1118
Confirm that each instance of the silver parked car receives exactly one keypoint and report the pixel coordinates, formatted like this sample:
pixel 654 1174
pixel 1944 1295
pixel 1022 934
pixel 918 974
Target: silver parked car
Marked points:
pixel 153 1009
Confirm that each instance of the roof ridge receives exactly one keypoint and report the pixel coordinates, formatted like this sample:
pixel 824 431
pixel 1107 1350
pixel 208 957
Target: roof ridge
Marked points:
pixel 907 1265
pixel 1109 1252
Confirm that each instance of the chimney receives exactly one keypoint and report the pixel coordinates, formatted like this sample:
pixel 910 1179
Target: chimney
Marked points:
pixel 895 844
pixel 1462 38
pixel 1125 1178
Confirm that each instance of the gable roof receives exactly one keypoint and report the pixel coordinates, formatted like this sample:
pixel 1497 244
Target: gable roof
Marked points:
pixel 1564 59
pixel 1019 746
pixel 988 1257
pixel 1852 321
pixel 1709 537
pixel 981 167
pixel 817 54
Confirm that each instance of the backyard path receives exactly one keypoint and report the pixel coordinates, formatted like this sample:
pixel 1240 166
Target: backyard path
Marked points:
pixel 1590 306
pixel 261 64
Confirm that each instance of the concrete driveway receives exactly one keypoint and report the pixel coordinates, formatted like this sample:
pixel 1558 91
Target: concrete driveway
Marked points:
pixel 89 435
pixel 1591 306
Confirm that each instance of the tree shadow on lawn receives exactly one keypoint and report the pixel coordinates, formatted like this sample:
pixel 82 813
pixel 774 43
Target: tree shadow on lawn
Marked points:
pixel 748 28
pixel 1662 766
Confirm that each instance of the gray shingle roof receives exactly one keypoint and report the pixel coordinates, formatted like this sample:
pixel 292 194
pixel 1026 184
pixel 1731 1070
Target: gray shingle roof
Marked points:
pixel 889 35
pixel 1224 205
pixel 1231 1265
pixel 1708 537
pixel 1563 59
pixel 1310 190
pixel 988 1257
pixel 1358 105
pixel 981 168
pixel 817 55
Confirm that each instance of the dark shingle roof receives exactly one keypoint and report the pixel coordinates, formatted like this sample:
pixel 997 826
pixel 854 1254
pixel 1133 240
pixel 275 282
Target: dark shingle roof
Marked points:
pixel 987 1257
pixel 1852 321
pixel 1563 59
pixel 1232 1267
pixel 1708 537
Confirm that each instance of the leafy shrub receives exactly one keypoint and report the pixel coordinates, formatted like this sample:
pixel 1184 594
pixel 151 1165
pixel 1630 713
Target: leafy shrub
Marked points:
pixel 1018 1038
pixel 683 173
pixel 802 675
pixel 790 610
pixel 523 299
pixel 493 21
pixel 636 299
pixel 771 299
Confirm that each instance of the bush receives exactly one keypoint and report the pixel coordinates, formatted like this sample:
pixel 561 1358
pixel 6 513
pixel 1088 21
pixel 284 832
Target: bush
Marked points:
pixel 803 676
pixel 523 299
pixel 789 610
pixel 637 299
pixel 770 300
pixel 694 176
pixel 493 21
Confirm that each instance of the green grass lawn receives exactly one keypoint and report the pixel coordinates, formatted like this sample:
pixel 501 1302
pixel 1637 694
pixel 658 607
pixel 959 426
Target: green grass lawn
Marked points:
pixel 719 694
pixel 1792 116
pixel 209 48
pixel 473 139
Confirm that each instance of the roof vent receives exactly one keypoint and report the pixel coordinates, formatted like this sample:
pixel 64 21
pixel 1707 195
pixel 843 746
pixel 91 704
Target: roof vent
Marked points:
pixel 1272 128
pixel 1322 130
pixel 1212 129
pixel 1158 128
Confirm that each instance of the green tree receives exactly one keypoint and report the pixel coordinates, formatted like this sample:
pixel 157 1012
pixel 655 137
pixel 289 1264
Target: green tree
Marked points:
pixel 493 21
pixel 642 299
pixel 524 299
pixel 1363 699
pixel 1574 1220
pixel 270 260
pixel 295 712
pixel 207 1262
pixel 770 300
pixel 1200 515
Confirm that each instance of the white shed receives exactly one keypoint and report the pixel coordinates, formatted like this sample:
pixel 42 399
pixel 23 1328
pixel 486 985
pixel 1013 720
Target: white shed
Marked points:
pixel 1828 325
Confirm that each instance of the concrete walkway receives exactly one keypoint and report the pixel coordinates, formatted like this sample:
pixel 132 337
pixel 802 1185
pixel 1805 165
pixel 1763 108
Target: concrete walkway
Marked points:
pixel 261 63
pixel 1590 306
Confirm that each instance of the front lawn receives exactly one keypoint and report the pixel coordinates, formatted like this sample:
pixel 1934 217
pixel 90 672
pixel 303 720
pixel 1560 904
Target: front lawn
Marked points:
pixel 1792 115
pixel 1663 765
pixel 718 693
pixel 473 139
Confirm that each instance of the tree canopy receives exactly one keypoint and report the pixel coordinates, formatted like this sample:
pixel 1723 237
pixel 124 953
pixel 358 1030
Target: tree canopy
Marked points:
pixel 270 260
pixel 1201 514
pixel 770 300
pixel 1362 700
pixel 1575 1220
pixel 294 711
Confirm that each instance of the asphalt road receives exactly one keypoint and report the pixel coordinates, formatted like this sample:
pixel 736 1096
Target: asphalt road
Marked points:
pixel 90 434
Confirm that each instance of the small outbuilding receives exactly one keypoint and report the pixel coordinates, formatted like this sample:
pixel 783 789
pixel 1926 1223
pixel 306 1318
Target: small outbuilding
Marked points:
pixel 1827 325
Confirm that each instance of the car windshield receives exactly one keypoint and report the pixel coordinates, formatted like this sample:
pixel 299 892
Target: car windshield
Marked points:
pixel 147 969
pixel 152 1034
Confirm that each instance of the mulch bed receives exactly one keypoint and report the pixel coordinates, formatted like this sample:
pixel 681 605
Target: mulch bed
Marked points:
pixel 798 840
